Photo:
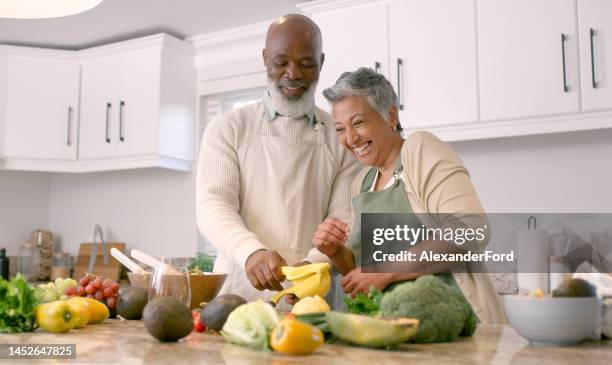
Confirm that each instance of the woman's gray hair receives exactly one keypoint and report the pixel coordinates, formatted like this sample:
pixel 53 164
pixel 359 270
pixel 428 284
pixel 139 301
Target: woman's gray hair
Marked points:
pixel 367 83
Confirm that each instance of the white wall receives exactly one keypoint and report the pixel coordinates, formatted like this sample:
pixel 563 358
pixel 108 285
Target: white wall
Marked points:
pixel 149 209
pixel 24 206
pixel 564 173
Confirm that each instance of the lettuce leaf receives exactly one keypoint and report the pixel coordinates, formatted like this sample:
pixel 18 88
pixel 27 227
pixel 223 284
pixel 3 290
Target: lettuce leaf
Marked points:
pixel 17 303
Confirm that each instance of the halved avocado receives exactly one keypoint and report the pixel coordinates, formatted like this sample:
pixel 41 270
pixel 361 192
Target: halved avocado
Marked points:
pixel 371 332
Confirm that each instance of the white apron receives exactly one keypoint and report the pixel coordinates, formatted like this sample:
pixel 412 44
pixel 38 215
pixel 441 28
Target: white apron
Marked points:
pixel 285 188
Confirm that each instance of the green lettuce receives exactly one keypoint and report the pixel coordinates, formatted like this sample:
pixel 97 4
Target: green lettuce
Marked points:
pixel 250 325
pixel 17 303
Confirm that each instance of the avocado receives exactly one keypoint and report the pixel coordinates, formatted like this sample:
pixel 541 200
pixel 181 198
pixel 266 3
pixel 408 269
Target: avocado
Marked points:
pixel 167 319
pixel 215 313
pixel 575 288
pixel 131 302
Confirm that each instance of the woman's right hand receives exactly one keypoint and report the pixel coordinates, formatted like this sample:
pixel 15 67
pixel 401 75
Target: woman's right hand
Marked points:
pixel 331 235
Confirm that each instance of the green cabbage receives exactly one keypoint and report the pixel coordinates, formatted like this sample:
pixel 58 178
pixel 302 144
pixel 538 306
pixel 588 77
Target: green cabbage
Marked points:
pixel 250 325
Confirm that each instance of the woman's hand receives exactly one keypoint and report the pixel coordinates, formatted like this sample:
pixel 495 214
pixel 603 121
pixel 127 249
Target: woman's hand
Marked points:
pixel 357 282
pixel 330 235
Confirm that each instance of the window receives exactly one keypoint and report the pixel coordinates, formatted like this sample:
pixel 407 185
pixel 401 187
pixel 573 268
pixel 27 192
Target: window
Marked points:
pixel 211 106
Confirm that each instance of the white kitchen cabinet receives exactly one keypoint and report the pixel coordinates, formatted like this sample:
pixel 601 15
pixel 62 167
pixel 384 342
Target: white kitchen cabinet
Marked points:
pixel 595 35
pixel 138 105
pixel 352 38
pixel 433 58
pixel 527 58
pixel 39 104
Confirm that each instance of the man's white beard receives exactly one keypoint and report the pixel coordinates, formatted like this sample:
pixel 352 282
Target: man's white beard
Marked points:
pixel 292 108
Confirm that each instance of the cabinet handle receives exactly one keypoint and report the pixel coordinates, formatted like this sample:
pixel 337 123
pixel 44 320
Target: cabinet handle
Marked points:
pixel 592 35
pixel 563 39
pixel 108 112
pixel 377 67
pixel 399 84
pixel 121 106
pixel 69 136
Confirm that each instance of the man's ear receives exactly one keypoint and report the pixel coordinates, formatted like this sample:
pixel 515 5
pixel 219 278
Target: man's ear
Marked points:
pixel 322 60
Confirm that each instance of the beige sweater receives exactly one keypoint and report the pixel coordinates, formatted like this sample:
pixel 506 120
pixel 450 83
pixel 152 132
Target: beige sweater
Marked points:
pixel 436 181
pixel 218 185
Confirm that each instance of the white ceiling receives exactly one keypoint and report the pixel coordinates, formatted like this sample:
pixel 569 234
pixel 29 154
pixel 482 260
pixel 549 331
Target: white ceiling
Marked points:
pixel 115 20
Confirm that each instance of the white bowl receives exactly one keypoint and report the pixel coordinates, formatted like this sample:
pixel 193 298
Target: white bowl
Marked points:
pixel 553 321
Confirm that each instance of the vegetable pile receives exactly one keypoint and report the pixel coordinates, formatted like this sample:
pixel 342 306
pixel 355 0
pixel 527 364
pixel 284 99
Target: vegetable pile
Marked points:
pixel 17 302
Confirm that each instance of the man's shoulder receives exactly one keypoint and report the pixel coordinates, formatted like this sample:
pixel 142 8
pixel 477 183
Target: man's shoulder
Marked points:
pixel 240 115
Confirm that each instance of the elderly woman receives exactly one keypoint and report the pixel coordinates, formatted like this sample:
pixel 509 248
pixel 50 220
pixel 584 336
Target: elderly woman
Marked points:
pixel 419 174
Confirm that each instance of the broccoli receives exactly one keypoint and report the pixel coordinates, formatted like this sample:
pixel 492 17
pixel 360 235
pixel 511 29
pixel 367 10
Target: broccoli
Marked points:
pixel 441 309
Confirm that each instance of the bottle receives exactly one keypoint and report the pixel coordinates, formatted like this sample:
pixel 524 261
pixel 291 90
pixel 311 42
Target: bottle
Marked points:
pixel 4 264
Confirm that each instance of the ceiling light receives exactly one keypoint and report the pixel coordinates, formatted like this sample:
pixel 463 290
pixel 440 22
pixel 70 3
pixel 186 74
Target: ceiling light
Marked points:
pixel 38 9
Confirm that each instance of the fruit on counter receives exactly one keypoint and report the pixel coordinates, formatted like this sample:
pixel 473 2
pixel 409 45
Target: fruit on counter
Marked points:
pixel 197 324
pixel 167 319
pixel 17 303
pixel 575 288
pixel 215 313
pixel 98 312
pixel 442 311
pixel 81 311
pixel 314 304
pixel 308 280
pixel 250 325
pixel 56 317
pixel 131 302
pixel 59 289
pixel 97 287
pixel 371 332
pixel 293 337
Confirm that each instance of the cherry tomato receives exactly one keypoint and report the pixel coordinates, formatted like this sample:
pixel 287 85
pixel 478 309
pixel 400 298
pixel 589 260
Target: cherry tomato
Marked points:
pixel 197 325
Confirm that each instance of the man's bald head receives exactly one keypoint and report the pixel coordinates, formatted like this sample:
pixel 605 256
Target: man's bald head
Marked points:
pixel 293 55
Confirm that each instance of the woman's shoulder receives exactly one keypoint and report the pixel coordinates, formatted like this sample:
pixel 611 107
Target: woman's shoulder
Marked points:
pixel 422 147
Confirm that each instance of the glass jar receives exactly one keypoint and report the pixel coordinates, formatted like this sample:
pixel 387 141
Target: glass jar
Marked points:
pixel 61 265
pixel 29 261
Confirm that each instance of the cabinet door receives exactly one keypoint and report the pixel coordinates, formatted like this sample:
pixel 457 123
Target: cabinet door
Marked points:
pixel 42 108
pixel 352 38
pixel 98 129
pixel 138 100
pixel 527 58
pixel 595 34
pixel 433 50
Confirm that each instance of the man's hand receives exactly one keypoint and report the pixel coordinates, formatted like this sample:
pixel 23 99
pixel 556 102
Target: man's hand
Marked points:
pixel 330 235
pixel 263 269
pixel 357 282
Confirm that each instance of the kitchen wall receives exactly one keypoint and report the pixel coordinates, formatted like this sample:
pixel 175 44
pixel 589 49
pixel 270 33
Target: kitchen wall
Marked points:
pixel 24 206
pixel 149 209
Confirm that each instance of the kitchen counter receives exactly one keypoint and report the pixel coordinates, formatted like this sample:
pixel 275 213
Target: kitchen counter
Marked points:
pixel 116 342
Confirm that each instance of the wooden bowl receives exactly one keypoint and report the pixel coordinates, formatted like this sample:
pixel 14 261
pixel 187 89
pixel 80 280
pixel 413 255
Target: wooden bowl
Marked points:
pixel 204 287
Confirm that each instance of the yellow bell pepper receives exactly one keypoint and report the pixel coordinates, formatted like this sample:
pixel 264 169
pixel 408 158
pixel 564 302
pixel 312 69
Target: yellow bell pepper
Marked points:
pixel 98 312
pixel 81 312
pixel 293 337
pixel 55 316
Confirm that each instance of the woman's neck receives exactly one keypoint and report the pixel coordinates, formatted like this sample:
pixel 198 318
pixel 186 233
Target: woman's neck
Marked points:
pixel 388 165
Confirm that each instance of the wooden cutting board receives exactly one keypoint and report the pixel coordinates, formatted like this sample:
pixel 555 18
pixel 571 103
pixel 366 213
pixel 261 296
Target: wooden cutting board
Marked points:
pixel 112 270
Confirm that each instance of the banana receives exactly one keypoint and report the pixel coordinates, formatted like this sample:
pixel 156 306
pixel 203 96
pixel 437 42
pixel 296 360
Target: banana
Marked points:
pixel 308 280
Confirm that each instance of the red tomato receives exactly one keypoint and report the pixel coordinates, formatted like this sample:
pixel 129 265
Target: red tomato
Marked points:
pixel 197 325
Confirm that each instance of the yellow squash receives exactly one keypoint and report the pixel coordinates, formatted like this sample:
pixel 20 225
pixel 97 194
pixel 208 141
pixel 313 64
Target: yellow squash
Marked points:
pixel 81 312
pixel 293 337
pixel 55 316
pixel 308 280
pixel 98 312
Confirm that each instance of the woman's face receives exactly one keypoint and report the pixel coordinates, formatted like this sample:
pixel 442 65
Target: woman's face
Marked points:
pixel 363 131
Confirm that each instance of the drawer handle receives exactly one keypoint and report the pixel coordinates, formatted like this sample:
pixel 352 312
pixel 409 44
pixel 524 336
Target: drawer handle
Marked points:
pixel 108 112
pixel 121 106
pixel 400 68
pixel 69 136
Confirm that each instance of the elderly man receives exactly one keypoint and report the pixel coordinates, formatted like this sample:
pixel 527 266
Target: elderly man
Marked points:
pixel 270 172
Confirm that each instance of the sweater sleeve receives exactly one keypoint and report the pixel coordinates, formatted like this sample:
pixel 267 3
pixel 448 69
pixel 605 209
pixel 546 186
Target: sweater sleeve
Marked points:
pixel 442 185
pixel 217 193
pixel 340 199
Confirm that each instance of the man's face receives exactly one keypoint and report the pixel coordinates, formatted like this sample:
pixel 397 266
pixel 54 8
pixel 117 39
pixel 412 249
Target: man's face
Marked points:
pixel 293 61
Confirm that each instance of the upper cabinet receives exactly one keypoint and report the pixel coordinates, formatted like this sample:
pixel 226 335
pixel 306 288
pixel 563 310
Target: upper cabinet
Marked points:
pixel 39 104
pixel 433 61
pixel 348 44
pixel 595 37
pixel 527 58
pixel 137 107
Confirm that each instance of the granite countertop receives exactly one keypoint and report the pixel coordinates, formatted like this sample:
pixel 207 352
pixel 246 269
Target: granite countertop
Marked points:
pixel 127 342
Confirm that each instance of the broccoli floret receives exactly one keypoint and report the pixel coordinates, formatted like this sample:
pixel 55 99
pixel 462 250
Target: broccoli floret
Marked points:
pixel 441 309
